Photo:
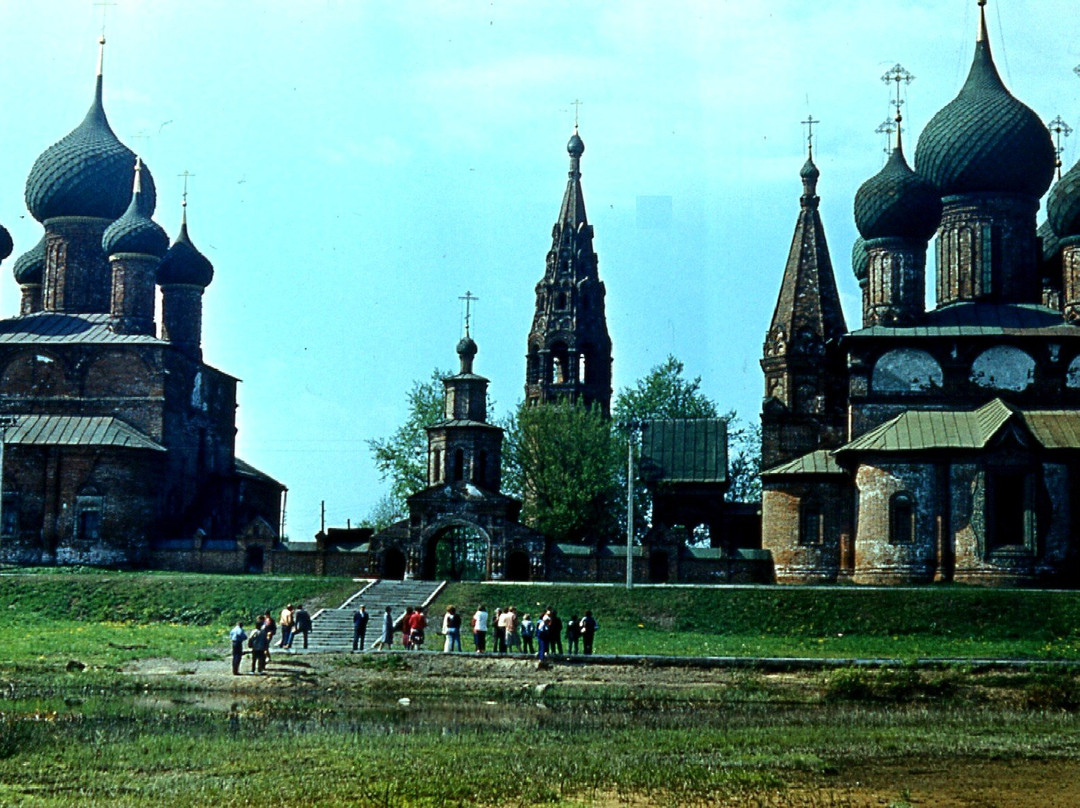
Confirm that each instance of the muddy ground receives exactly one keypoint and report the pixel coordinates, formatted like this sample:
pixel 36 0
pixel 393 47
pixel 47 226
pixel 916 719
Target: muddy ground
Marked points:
pixel 950 783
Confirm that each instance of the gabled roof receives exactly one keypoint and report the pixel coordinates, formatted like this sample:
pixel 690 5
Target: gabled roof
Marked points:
pixel 71 430
pixel 818 462
pixel 247 470
pixel 918 430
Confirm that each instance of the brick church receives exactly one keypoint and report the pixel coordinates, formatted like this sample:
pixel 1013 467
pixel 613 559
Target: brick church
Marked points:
pixel 935 443
pixel 118 439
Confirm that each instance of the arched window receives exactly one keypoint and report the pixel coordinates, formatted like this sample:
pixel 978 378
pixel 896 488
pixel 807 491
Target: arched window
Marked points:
pixel 810 524
pixel 459 465
pixel 901 518
pixel 436 471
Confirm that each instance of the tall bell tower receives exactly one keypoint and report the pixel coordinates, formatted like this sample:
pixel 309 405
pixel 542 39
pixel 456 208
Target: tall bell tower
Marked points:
pixel 569 352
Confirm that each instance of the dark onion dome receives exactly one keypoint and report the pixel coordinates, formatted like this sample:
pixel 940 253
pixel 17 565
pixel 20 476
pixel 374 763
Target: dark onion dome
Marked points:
pixel 183 264
pixel 1051 244
pixel 135 231
pixel 467 348
pixel 1063 204
pixel 86 173
pixel 576 146
pixel 809 171
pixel 30 266
pixel 897 203
pixel 6 244
pixel 985 140
pixel 860 260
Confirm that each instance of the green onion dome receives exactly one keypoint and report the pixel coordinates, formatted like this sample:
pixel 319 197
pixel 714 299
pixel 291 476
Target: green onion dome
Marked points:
pixel 897 203
pixel 87 173
pixel 184 264
pixel 1051 244
pixel 860 260
pixel 30 266
pixel 135 231
pixel 1063 204
pixel 576 146
pixel 985 140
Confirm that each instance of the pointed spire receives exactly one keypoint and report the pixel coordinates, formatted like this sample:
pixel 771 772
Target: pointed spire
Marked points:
pixel 572 212
pixel 982 35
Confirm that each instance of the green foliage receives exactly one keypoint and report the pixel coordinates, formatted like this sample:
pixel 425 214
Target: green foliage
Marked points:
pixel 401 458
pixel 744 459
pixel 564 460
pixel 663 393
pixel 1057 690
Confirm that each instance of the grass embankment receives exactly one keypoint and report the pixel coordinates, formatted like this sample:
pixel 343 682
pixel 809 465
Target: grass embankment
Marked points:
pixel 938 622
pixel 107 618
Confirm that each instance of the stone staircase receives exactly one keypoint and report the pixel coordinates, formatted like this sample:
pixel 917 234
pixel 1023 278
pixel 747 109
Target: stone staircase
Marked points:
pixel 332 629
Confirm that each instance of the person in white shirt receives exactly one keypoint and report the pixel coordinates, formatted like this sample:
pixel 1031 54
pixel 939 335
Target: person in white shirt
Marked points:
pixel 479 629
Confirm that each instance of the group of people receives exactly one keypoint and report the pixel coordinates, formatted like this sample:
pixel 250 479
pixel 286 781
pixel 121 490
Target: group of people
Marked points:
pixel 512 635
pixel 292 621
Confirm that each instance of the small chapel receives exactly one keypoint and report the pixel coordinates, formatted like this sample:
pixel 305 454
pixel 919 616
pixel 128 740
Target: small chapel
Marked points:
pixel 118 438
pixel 942 442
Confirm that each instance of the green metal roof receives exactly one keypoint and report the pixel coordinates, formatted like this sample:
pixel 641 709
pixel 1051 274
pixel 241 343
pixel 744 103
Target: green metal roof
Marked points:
pixel 982 319
pixel 70 430
pixel 819 462
pixel 917 430
pixel 684 450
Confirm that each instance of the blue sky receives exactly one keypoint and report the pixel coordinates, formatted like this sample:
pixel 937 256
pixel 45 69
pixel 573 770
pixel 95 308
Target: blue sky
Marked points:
pixel 358 166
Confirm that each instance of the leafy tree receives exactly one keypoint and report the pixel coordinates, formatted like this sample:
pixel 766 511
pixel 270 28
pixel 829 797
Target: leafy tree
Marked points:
pixel 744 459
pixel 383 514
pixel 402 457
pixel 663 393
pixel 563 461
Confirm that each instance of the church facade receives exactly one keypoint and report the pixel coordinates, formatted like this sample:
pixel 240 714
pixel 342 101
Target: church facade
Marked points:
pixel 941 443
pixel 119 440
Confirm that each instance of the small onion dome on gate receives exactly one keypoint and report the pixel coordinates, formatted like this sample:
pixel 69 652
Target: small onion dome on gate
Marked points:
pixel 466 348
pixel 897 203
pixel 6 244
pixel 860 260
pixel 1063 204
pixel 135 231
pixel 575 146
pixel 86 173
pixel 183 263
pixel 30 266
pixel 985 140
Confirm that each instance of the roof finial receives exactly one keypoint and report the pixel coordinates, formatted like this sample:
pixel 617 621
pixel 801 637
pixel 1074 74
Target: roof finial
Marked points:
pixel 809 124
pixel 183 200
pixel 138 175
pixel 898 74
pixel 468 297
pixel 1060 130
pixel 576 104
pixel 887 127
pixel 983 37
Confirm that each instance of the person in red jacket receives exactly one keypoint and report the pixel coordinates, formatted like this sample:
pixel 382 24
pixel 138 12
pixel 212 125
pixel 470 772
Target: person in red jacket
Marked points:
pixel 417 624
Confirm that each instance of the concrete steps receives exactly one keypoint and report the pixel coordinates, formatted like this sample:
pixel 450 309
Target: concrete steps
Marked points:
pixel 332 629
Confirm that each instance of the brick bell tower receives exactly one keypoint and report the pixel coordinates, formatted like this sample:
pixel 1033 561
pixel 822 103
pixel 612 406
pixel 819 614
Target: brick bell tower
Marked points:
pixel 569 352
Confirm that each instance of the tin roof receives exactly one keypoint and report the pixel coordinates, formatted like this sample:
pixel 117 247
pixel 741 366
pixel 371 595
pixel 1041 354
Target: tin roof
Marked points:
pixel 819 462
pixel 684 450
pixel 981 319
pixel 949 429
pixel 73 430
pixel 247 470
pixel 50 327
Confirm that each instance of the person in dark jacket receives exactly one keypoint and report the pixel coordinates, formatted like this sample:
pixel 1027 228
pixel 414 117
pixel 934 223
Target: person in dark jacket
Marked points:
pixel 359 621
pixel 302 622
pixel 555 643
pixel 588 629
pixel 573 631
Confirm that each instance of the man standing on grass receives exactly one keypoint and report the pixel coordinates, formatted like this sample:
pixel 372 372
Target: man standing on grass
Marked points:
pixel 301 623
pixel 238 637
pixel 359 621
pixel 588 629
